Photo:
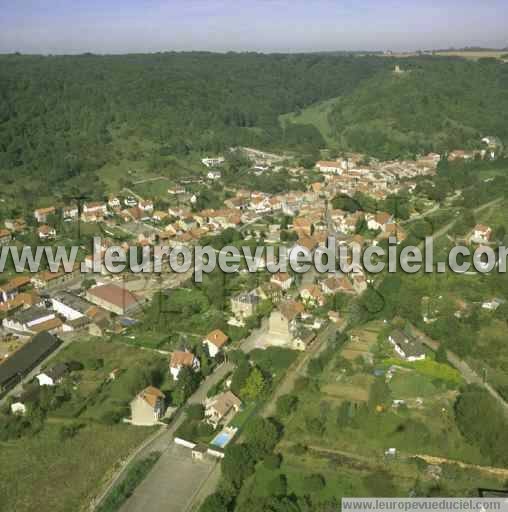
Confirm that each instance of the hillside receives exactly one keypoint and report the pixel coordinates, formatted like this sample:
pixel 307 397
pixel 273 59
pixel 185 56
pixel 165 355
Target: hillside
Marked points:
pixel 64 118
pixel 435 106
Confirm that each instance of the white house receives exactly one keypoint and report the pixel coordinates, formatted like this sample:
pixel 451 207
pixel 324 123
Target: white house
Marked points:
pixel 181 359
pixel 214 341
pixel 213 162
pixel 148 407
pixel 219 407
pixel 379 221
pixel 330 167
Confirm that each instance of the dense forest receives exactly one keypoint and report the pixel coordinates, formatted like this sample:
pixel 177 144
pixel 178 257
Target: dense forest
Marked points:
pixel 60 116
pixel 433 105
pixel 63 117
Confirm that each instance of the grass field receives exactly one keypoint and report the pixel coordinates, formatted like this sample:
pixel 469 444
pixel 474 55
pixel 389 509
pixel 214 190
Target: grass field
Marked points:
pixel 58 476
pixel 315 114
pixel 93 394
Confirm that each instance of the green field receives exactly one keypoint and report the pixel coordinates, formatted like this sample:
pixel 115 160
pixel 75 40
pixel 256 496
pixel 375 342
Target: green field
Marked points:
pixel 316 115
pixel 59 476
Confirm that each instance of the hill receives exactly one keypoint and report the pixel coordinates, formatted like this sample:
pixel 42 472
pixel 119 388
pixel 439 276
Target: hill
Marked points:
pixel 63 118
pixel 436 105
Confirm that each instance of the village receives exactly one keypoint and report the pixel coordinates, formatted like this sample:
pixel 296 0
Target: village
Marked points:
pixel 50 317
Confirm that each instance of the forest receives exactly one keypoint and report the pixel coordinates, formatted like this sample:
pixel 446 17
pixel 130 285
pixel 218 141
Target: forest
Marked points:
pixel 62 118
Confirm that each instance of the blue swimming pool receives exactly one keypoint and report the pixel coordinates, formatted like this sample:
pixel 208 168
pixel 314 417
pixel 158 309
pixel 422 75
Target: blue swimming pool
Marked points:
pixel 222 439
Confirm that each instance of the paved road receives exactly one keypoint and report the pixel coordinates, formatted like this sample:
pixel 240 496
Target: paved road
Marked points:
pixel 162 441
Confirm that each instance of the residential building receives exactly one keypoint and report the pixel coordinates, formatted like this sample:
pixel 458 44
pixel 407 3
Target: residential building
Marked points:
pixel 481 234
pixel 214 341
pixel 282 323
pixel 283 280
pixel 5 236
pixel 221 408
pixel 330 167
pixel 407 347
pixel 46 232
pixel 182 359
pixel 42 214
pixel 53 376
pixel 244 304
pixel 11 288
pixel 148 407
pixel 25 321
pixel 70 306
pixel 213 161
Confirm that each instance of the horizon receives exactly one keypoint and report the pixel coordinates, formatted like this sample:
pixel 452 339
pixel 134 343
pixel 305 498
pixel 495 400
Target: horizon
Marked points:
pixel 262 26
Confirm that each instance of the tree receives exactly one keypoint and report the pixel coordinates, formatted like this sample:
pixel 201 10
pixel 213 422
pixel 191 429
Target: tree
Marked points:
pixel 254 385
pixel 195 412
pixel 261 436
pixel 237 464
pixel 216 502
pixel 278 486
pixel 286 404
pixel 240 377
pixel 441 356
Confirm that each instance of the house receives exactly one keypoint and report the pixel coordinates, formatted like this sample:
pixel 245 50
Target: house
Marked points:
pixel 5 236
pixel 214 175
pixel 215 340
pixel 244 304
pixel 21 362
pixel 330 167
pixel 379 221
pixel 336 284
pixel 407 347
pixel 181 359
pixel 114 203
pixel 42 214
pixel 312 295
pixel 70 213
pixel 113 298
pixel 51 280
pixel 283 280
pixel 97 209
pixel 53 376
pixel 481 234
pixel 46 232
pixel 26 321
pixel 10 289
pixel 221 408
pixel 213 162
pixel 146 205
pixel 148 407
pixel 493 305
pixel 282 323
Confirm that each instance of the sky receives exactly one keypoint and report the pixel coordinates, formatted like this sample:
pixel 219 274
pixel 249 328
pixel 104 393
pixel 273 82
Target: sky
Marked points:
pixel 122 26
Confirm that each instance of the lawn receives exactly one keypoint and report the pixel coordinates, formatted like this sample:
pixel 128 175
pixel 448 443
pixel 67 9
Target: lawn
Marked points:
pixel 58 476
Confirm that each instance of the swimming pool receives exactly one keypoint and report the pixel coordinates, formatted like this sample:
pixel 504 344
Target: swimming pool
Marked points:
pixel 222 439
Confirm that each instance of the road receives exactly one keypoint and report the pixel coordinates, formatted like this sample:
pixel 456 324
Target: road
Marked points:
pixel 298 369
pixel 162 441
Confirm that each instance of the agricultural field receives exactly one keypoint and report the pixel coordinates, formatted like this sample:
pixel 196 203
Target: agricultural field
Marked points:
pixel 55 475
